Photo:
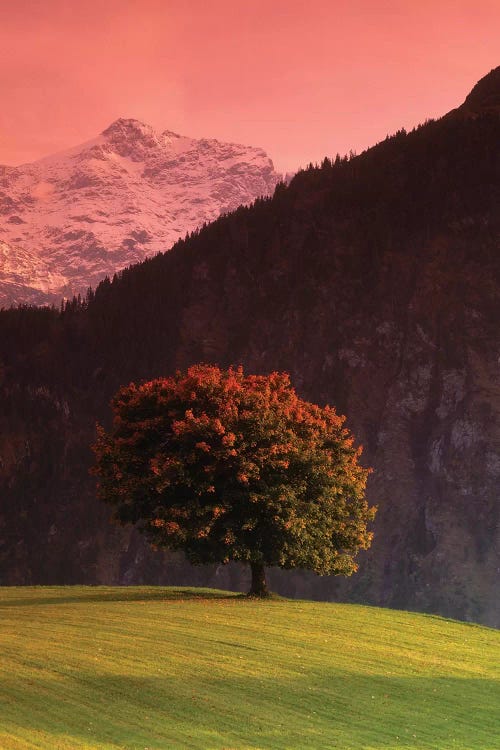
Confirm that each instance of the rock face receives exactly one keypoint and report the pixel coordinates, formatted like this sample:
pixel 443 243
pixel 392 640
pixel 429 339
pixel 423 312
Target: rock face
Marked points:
pixel 485 96
pixel 375 282
pixel 70 219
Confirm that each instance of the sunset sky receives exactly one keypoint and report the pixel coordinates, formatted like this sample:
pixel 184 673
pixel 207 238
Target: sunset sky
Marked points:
pixel 301 79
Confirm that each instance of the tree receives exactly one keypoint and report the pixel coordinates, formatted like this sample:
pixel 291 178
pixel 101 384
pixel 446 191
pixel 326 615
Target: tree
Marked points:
pixel 231 467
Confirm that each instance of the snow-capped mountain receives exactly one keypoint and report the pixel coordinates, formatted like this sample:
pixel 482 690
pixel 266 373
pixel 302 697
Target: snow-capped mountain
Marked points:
pixel 70 219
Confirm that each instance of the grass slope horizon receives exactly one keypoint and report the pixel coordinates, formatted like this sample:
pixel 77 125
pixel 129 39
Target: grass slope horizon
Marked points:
pixel 151 668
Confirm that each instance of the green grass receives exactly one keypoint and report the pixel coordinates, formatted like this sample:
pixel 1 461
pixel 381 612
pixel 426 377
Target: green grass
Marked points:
pixel 153 668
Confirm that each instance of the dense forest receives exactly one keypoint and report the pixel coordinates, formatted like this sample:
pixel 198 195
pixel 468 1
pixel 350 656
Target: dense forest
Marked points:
pixel 374 280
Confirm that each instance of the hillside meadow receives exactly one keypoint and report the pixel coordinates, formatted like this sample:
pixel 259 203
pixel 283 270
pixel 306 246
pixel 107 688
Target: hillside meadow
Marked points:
pixel 143 668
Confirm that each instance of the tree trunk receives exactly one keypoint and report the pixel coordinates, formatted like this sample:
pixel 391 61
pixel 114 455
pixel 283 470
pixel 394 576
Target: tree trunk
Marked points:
pixel 259 586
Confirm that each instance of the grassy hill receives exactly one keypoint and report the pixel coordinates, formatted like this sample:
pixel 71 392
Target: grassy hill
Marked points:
pixel 155 668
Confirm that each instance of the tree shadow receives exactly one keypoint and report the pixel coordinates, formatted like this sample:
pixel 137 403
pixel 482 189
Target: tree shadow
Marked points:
pixel 103 594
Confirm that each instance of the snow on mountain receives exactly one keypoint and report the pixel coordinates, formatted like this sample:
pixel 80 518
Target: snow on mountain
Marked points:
pixel 71 218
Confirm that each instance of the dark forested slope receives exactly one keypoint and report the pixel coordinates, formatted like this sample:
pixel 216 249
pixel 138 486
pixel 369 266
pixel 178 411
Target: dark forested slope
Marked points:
pixel 373 280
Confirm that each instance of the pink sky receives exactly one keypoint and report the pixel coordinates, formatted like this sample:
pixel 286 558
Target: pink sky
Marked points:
pixel 301 79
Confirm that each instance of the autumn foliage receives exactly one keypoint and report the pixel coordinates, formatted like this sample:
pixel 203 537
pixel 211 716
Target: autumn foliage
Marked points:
pixel 227 466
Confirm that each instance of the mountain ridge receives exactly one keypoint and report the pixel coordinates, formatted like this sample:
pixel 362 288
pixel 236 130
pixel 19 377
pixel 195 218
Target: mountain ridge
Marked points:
pixel 71 218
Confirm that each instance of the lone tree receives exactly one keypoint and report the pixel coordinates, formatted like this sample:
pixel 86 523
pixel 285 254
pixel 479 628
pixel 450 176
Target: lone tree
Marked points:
pixel 231 467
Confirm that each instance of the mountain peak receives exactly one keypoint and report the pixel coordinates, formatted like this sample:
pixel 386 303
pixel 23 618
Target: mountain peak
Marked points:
pixel 107 203
pixel 129 129
pixel 485 96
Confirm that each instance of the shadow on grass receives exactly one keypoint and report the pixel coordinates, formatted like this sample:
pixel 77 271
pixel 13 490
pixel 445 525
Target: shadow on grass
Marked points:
pixel 316 710
pixel 82 594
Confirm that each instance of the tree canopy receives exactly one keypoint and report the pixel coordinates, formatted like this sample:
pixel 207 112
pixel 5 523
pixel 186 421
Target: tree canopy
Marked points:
pixel 227 466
